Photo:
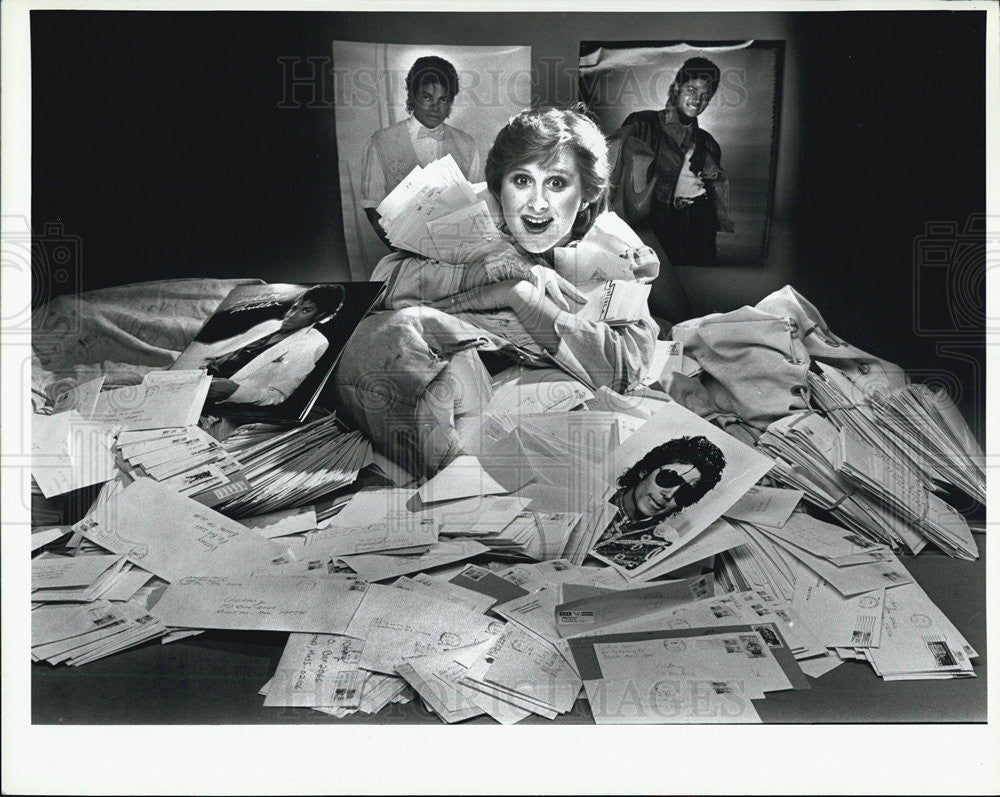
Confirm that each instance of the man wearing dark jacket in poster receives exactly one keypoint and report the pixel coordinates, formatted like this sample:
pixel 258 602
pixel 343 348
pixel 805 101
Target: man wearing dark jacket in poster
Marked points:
pixel 669 170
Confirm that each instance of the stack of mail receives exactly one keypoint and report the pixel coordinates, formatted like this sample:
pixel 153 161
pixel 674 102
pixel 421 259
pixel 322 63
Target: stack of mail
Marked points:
pixel 320 671
pixel 429 632
pixel 540 535
pixel 523 671
pixel 507 523
pixel 571 613
pixel 917 427
pixel 803 446
pixel 898 630
pixel 187 459
pixel 76 634
pixel 853 596
pixel 295 467
pixel 164 399
pixel 77 579
pixel 708 674
pixel 436 212
pixel 870 491
pixel 173 536
pixel 928 423
pixel 897 488
pixel 379 520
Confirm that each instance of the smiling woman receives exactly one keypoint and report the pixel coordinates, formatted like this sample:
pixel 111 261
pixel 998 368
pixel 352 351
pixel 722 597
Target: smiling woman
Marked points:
pixel 540 203
pixel 548 171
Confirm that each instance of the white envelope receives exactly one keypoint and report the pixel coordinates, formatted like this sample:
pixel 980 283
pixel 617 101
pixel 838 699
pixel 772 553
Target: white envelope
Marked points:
pixel 173 536
pixel 771 506
pixel 318 670
pixel 397 625
pixel 321 604
pixel 69 452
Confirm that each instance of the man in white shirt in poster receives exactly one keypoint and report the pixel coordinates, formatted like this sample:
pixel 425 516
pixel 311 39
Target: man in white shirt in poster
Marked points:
pixel 394 151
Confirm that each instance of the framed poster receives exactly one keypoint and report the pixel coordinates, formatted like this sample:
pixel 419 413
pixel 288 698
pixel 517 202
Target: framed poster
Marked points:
pixel 705 196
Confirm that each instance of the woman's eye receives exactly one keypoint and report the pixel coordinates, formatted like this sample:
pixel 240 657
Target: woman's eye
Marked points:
pixel 557 182
pixel 520 179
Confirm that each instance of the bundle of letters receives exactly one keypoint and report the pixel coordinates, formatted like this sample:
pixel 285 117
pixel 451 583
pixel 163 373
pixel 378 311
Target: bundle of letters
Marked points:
pixel 187 458
pixel 93 584
pixel 72 445
pixel 292 467
pixel 437 213
pixel 878 462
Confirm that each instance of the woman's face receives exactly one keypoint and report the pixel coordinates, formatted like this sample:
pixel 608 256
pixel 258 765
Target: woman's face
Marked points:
pixel 541 201
pixel 651 499
pixel 299 315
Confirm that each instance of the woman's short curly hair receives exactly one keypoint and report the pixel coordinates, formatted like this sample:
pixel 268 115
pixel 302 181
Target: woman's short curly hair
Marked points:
pixel 698 451
pixel 543 134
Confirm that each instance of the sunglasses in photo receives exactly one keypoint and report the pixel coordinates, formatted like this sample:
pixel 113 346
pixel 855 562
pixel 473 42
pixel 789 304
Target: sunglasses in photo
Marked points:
pixel 667 478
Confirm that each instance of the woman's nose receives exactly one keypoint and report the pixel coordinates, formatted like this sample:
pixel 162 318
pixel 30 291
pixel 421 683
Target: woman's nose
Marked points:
pixel 539 201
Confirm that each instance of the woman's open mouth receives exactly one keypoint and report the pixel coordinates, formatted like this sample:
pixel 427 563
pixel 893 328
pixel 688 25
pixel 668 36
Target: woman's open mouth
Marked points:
pixel 534 224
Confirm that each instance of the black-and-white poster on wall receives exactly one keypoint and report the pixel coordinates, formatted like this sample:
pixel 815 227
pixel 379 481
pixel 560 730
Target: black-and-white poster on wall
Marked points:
pixel 399 106
pixel 694 130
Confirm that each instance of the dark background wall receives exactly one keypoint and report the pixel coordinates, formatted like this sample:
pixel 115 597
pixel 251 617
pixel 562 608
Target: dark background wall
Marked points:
pixel 159 141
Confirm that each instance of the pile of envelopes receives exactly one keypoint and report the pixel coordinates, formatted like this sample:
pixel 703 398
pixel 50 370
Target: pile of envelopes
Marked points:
pixel 878 462
pixel 374 585
pixel 855 596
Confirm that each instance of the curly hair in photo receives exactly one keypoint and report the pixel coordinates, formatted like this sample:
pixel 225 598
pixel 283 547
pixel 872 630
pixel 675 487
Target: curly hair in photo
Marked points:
pixel 698 451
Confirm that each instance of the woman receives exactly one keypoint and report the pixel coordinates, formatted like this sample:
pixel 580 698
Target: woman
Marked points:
pixel 548 171
pixel 665 481
pixel 278 355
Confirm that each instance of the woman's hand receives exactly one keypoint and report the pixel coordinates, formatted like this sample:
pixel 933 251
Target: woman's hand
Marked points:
pixel 221 389
pixel 536 312
pixel 494 296
pixel 556 287
pixel 498 261
pixel 494 261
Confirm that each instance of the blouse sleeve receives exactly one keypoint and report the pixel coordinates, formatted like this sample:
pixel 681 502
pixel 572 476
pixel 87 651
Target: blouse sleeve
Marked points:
pixel 413 280
pixel 615 357
pixel 598 354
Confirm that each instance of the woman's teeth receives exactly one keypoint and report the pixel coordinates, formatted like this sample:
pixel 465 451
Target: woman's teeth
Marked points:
pixel 535 224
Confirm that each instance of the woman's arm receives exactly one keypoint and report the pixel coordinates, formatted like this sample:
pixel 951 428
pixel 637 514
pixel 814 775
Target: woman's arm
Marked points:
pixel 414 280
pixel 617 357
